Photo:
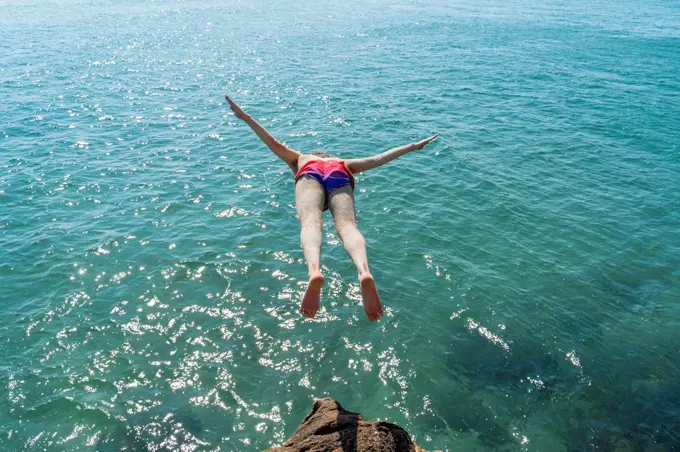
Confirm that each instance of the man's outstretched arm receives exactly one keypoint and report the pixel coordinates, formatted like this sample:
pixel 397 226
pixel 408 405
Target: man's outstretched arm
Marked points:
pixel 285 153
pixel 365 164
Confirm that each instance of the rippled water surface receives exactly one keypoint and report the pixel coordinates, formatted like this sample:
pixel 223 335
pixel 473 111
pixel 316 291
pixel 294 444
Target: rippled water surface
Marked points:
pixel 529 260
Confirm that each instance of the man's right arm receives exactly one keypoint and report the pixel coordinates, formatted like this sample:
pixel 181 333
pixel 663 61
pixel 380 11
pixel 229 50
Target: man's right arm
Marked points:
pixel 365 164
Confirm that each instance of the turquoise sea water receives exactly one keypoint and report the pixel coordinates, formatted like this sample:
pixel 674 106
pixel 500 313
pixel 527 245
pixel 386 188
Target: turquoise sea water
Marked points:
pixel 529 260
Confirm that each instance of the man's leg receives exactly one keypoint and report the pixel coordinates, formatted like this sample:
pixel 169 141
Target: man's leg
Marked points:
pixel 341 203
pixel 309 201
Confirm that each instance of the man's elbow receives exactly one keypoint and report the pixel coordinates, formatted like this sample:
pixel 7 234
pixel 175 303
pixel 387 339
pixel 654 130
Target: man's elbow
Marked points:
pixel 365 165
pixel 372 163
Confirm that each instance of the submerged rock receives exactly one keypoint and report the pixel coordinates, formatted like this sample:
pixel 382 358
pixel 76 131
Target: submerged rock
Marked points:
pixel 329 428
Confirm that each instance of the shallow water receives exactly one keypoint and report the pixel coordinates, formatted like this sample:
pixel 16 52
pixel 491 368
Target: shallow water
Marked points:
pixel 528 260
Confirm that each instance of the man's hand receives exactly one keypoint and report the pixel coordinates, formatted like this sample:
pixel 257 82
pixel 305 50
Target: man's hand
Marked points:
pixel 240 114
pixel 421 144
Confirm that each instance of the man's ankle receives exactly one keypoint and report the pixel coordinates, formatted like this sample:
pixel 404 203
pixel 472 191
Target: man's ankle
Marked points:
pixel 313 271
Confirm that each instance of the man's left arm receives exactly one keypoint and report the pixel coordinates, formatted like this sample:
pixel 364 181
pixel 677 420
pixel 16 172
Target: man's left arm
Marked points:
pixel 282 151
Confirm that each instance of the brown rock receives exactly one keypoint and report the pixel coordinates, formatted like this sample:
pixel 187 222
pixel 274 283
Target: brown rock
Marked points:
pixel 331 428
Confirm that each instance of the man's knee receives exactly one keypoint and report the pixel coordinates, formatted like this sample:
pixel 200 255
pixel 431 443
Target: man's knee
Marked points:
pixel 349 231
pixel 311 219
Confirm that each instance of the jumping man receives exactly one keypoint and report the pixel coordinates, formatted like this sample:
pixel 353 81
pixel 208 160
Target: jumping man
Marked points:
pixel 323 183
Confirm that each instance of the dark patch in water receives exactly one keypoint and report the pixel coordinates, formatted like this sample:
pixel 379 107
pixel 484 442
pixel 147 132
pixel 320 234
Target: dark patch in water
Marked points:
pixel 527 372
pixel 464 411
pixel 640 415
pixel 189 421
pixel 121 438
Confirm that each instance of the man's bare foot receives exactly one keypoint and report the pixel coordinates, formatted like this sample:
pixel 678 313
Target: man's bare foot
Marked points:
pixel 312 296
pixel 369 295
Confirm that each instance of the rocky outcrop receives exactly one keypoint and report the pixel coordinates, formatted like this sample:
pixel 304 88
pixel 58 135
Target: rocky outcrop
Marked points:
pixel 331 428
